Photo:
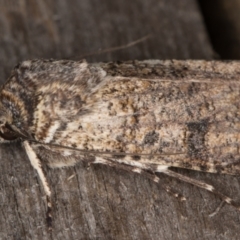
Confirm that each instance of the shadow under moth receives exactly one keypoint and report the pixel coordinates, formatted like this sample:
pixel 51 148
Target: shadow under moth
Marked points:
pixel 140 116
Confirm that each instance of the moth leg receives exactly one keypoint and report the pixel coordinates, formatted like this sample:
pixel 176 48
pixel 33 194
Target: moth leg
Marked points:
pixel 148 174
pixel 36 163
pixel 202 185
pixel 217 209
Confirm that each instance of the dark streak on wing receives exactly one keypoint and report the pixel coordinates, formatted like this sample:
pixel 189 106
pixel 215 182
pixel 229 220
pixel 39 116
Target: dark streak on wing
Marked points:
pixel 196 139
pixel 151 138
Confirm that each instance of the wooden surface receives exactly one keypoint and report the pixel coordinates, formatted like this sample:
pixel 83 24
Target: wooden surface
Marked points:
pixel 100 202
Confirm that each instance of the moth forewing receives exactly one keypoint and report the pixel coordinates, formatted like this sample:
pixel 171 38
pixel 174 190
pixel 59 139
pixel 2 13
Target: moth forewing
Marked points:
pixel 141 116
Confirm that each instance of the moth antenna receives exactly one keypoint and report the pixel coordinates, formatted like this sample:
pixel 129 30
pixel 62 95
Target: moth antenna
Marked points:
pixel 104 152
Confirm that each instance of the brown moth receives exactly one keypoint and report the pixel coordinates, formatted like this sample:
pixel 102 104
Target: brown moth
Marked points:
pixel 141 116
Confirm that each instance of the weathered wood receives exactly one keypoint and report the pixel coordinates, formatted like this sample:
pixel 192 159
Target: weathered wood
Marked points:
pixel 100 202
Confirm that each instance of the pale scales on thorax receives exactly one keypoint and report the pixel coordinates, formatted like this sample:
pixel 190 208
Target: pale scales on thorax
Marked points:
pixel 147 115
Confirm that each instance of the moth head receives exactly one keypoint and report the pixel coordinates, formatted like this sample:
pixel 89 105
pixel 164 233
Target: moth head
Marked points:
pixel 6 131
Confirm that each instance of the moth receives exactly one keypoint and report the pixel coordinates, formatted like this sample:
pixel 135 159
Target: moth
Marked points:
pixel 141 116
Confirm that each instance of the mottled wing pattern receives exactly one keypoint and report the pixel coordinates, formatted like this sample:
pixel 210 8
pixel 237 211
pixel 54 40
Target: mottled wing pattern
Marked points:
pixel 142 117
pixel 188 120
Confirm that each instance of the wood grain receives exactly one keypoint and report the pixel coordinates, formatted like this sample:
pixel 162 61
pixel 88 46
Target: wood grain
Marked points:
pixel 100 202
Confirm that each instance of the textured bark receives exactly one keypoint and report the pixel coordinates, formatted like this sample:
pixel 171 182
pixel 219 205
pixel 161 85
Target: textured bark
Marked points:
pixel 101 202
